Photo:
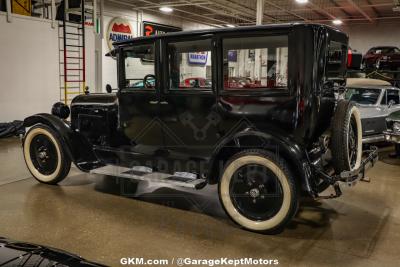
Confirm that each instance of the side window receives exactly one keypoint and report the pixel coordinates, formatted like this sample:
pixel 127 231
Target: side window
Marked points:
pixel 256 63
pixel 190 65
pixel 336 61
pixel 139 67
pixel 393 97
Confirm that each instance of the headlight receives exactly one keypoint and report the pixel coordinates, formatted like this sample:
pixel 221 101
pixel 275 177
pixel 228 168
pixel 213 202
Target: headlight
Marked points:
pixel 396 127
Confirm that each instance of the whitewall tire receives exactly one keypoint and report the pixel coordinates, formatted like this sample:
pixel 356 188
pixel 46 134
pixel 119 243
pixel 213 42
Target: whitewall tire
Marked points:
pixel 44 155
pixel 346 139
pixel 258 191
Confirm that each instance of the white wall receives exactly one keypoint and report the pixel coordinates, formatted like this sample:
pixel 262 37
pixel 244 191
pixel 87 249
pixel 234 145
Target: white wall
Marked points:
pixel 28 67
pixel 29 61
pixel 363 37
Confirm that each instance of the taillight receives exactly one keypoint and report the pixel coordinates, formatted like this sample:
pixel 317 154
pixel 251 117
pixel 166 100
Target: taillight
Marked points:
pixel 349 58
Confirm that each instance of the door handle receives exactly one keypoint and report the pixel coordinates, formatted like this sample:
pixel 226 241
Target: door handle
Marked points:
pixel 153 102
pixel 164 103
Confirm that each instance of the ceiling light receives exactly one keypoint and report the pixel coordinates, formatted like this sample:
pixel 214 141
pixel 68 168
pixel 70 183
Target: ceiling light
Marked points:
pixel 166 9
pixel 230 25
pixel 302 1
pixel 337 22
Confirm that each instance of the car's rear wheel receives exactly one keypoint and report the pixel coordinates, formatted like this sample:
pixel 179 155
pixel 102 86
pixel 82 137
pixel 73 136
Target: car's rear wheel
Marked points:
pixel 44 155
pixel 258 191
pixel 346 140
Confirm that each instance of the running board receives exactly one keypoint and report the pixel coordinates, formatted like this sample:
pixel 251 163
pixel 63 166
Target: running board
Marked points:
pixel 181 179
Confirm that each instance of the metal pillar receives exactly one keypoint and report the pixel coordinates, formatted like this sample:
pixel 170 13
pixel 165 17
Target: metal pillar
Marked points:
pixel 9 13
pixel 53 14
pixel 101 30
pixel 257 59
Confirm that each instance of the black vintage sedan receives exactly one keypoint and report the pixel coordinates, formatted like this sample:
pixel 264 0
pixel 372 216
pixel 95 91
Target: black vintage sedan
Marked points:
pixel 265 143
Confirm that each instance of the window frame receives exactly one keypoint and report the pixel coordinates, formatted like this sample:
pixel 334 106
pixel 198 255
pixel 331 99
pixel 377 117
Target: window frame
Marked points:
pixel 387 96
pixel 122 73
pixel 264 91
pixel 166 66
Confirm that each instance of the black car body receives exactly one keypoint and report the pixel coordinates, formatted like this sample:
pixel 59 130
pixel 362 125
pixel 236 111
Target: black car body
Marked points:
pixel 190 136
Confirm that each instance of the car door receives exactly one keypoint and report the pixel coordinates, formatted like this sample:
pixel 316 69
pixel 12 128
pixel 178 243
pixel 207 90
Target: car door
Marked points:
pixel 187 110
pixel 138 98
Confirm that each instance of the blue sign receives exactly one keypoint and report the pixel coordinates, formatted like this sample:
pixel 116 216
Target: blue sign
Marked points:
pixel 199 58
pixel 232 55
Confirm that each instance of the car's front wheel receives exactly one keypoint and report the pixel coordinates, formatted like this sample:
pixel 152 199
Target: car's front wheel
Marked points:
pixel 258 191
pixel 44 155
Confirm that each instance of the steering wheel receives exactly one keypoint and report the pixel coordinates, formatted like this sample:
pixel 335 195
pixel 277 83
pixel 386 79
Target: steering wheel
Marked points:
pixel 147 84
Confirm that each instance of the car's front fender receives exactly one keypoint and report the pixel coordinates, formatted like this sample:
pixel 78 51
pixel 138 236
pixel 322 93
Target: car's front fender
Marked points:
pixel 76 146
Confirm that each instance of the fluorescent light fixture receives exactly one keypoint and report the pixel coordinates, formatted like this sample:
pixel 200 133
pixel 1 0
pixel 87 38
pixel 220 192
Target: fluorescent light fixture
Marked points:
pixel 302 1
pixel 166 9
pixel 230 25
pixel 337 22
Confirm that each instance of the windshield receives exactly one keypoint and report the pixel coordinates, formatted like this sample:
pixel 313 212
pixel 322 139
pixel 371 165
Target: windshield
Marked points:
pixel 363 96
pixel 139 67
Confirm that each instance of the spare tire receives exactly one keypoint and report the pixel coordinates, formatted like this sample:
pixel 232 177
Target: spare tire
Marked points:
pixel 346 138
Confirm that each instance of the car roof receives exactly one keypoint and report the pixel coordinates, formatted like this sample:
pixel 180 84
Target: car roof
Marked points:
pixel 376 87
pixel 285 26
pixel 383 47
pixel 352 82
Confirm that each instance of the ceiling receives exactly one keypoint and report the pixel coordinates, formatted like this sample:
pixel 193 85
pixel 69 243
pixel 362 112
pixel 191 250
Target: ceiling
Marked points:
pixel 243 12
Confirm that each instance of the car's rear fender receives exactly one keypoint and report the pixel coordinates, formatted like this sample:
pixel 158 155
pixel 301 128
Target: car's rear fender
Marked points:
pixel 248 139
pixel 76 146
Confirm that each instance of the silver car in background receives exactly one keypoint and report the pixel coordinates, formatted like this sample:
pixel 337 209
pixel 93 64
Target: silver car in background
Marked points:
pixel 376 100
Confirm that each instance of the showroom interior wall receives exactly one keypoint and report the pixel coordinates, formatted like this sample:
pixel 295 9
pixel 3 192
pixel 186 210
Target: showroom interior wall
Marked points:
pixel 29 67
pixel 29 52
pixel 365 36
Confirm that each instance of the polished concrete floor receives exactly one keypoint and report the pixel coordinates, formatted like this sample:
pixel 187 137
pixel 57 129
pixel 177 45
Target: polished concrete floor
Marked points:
pixel 104 219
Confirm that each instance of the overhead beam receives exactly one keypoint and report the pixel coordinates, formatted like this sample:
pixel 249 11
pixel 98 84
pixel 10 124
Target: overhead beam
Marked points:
pixel 360 10
pixel 188 12
pixel 221 13
pixel 321 10
pixel 241 8
pixel 155 5
pixel 159 12
pixel 286 11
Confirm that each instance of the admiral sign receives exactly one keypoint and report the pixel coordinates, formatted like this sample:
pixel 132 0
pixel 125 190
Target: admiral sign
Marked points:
pixel 119 29
pixel 198 58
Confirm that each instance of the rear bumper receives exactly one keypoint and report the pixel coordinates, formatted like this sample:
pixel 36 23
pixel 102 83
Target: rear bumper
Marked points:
pixel 359 173
pixel 373 138
pixel 392 137
pixel 350 177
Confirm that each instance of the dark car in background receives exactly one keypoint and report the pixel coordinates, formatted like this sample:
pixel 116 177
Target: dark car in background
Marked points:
pixel 382 58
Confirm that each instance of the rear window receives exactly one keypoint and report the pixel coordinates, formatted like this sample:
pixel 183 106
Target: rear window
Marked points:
pixel 256 63
pixel 336 61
